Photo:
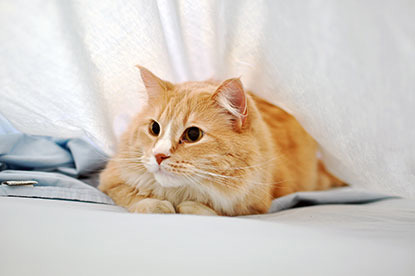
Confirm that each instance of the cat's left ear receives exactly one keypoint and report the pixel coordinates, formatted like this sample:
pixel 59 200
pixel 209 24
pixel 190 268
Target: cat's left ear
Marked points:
pixel 231 96
pixel 154 85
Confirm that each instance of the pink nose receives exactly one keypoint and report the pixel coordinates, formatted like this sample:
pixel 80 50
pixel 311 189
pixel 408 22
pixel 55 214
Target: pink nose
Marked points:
pixel 160 157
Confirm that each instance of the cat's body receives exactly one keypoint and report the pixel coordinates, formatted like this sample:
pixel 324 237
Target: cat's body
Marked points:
pixel 209 148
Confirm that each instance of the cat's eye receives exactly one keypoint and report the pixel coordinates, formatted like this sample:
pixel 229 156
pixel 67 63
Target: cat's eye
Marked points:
pixel 192 134
pixel 154 128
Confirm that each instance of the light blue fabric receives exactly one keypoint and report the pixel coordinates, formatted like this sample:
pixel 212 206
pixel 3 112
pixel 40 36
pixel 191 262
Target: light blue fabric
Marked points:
pixel 344 195
pixel 64 168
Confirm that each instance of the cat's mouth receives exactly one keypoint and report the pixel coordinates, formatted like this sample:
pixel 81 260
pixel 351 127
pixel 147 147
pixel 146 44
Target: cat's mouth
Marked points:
pixel 163 176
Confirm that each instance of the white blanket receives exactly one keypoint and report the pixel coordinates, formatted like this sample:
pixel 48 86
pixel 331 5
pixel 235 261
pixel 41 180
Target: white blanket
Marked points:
pixel 46 237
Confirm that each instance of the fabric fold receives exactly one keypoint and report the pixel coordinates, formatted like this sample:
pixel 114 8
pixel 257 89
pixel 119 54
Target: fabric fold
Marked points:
pixel 63 168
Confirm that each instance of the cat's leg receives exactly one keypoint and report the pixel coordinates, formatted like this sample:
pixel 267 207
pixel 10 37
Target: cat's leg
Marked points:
pixel 152 206
pixel 127 196
pixel 195 208
pixel 326 180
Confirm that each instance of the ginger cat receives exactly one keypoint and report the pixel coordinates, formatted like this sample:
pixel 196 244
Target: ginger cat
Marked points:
pixel 210 149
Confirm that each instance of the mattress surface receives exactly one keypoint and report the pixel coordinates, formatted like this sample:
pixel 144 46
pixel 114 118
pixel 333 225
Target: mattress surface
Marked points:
pixel 53 237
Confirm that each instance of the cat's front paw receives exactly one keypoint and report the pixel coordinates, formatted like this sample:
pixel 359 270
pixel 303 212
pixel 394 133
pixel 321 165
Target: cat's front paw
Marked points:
pixel 152 206
pixel 195 208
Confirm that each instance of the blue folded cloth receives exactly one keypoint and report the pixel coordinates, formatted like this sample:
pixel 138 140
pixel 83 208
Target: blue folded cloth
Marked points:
pixel 63 168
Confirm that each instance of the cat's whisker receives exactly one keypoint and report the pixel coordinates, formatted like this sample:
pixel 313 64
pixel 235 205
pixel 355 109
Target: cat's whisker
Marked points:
pixel 131 160
pixel 226 180
pixel 191 179
pixel 241 189
pixel 259 165
pixel 223 178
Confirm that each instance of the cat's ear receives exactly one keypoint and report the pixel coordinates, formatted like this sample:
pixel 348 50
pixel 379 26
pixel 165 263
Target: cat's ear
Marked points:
pixel 154 85
pixel 231 95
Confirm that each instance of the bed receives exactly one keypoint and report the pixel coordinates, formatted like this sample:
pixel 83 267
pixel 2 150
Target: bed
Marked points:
pixel 55 237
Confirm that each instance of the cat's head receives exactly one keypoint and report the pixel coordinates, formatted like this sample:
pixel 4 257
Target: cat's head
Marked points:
pixel 191 133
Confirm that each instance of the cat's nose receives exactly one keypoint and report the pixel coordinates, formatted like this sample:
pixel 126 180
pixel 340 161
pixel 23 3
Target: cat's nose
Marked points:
pixel 160 157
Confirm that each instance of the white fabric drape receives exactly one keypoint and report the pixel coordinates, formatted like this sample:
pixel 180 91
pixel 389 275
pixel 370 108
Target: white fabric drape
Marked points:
pixel 345 69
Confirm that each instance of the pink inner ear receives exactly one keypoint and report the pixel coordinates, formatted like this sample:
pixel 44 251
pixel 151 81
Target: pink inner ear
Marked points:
pixel 232 91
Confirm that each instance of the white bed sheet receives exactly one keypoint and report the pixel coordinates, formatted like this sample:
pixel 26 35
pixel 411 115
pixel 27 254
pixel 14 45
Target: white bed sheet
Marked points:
pixel 50 237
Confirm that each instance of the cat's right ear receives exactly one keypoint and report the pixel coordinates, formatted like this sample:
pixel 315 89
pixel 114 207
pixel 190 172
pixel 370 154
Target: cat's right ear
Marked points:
pixel 231 95
pixel 154 85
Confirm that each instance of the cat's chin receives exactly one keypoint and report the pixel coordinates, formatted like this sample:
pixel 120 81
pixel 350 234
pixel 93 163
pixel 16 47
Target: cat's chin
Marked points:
pixel 168 180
